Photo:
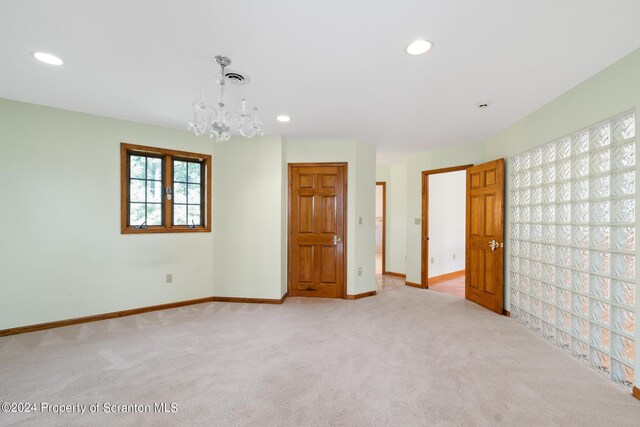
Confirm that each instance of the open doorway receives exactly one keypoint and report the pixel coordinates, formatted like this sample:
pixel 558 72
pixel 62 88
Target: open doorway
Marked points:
pixel 444 230
pixel 381 204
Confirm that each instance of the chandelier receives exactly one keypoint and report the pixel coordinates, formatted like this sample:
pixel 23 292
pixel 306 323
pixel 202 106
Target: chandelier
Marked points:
pixel 217 121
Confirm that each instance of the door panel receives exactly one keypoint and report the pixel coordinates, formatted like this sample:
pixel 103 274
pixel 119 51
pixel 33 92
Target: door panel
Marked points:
pixel 317 230
pixel 485 232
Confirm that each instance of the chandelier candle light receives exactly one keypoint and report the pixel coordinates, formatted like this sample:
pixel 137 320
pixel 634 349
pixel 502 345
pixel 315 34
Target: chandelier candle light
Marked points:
pixel 217 122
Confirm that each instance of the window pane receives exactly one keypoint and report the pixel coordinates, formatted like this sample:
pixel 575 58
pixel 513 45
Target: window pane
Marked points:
pixel 136 213
pixel 137 167
pixel 194 215
pixel 180 193
pixel 154 168
pixel 154 214
pixel 179 171
pixel 154 191
pixel 136 190
pixel 194 193
pixel 194 172
pixel 180 215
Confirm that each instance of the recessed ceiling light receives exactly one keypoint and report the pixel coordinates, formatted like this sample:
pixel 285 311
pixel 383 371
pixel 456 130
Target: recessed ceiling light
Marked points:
pixel 283 118
pixel 47 58
pixel 419 47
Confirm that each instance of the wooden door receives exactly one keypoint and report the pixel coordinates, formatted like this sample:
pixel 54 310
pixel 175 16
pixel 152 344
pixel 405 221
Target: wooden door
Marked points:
pixel 485 231
pixel 317 232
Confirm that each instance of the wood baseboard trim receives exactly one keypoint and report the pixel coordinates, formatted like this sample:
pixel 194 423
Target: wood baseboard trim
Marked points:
pixel 251 300
pixel 636 392
pixel 97 317
pixel 362 295
pixel 506 312
pixel 414 285
pixel 447 276
pixel 391 273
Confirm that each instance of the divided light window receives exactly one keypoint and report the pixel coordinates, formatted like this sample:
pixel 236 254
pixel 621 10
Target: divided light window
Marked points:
pixel 164 190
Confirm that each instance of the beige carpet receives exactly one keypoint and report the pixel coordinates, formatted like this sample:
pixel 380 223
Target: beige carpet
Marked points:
pixel 404 357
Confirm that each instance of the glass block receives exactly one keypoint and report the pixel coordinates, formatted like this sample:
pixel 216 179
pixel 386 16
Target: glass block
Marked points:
pixel 536 290
pixel 623 349
pixel 515 214
pixel 580 328
pixel 563 170
pixel 549 153
pixel 549 332
pixel 600 262
pixel 622 374
pixel 580 166
pixel 600 338
pixel 548 193
pixel 580 305
pixel 536 270
pixel 536 157
pixel 563 340
pixel 599 237
pixel 535 196
pixel 580 259
pixel 549 296
pixel 563 320
pixel 536 251
pixel 600 362
pixel 563 192
pixel 524 214
pixel 623 156
pixel 580 190
pixel 563 213
pixel 548 213
pixel 515 231
pixel 535 232
pixel 563 148
pixel 525 179
pixel 525 267
pixel 536 213
pixel 580 235
pixel 623 293
pixel 536 307
pixel 599 312
pixel 599 187
pixel 514 297
pixel 549 233
pixel 535 324
pixel 548 173
pixel 548 273
pixel 516 165
pixel 563 277
pixel 515 181
pixel 580 213
pixel 624 266
pixel 563 299
pixel 579 350
pixel 623 238
pixel 623 321
pixel 599 161
pixel 599 286
pixel 548 254
pixel 563 234
pixel 514 247
pixel 599 136
pixel 623 183
pixel 580 281
pixel 525 249
pixel 525 284
pixel 580 142
pixel 623 211
pixel 536 177
pixel 524 318
pixel 623 128
pixel 563 256
pixel 600 212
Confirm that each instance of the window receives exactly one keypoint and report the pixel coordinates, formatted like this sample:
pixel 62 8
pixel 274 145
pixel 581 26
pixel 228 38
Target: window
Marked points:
pixel 164 191
pixel 573 245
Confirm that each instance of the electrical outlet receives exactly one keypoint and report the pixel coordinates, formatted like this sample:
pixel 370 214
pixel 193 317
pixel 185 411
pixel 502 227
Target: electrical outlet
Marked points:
pixel 169 278
pixel 454 256
pixel 433 260
pixel 359 271
pixel 360 220
pixel 416 221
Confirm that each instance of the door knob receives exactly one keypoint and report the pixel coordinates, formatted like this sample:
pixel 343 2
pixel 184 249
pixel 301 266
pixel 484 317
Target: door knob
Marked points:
pixel 336 239
pixel 493 245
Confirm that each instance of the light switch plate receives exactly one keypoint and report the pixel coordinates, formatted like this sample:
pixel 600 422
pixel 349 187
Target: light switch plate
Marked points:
pixel 416 221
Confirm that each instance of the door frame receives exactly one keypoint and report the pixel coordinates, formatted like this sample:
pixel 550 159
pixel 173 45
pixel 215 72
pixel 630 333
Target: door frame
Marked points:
pixel 424 255
pixel 345 195
pixel 384 225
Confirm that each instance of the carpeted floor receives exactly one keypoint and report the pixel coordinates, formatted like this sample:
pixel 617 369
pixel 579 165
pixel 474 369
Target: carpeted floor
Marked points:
pixel 404 357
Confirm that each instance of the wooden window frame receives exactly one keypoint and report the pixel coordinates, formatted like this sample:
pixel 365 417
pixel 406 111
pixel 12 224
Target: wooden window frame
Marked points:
pixel 167 181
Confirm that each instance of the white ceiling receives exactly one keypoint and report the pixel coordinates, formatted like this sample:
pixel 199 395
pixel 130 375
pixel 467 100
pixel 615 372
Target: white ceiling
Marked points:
pixel 337 67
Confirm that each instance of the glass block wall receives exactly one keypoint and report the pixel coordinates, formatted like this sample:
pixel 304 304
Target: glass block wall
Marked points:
pixel 573 243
